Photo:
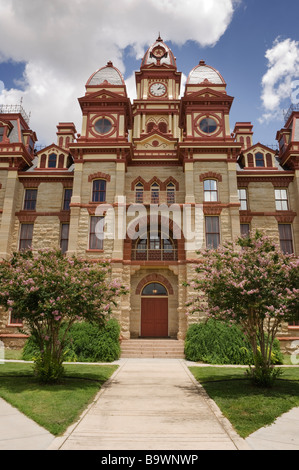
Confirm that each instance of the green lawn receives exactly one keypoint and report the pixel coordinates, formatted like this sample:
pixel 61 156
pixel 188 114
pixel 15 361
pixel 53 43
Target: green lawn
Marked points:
pixel 247 407
pixel 55 407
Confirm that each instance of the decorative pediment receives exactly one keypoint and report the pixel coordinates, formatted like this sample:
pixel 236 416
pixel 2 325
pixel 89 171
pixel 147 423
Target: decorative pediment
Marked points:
pixel 259 148
pixel 208 93
pixel 53 148
pixel 103 95
pixel 155 141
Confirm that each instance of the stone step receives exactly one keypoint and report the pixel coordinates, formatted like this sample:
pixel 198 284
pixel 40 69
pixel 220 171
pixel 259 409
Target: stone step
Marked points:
pixel 152 348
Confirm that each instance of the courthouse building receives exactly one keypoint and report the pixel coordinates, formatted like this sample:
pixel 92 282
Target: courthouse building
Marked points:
pixel 168 147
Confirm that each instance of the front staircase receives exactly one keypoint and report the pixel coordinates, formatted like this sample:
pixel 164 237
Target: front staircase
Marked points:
pixel 154 348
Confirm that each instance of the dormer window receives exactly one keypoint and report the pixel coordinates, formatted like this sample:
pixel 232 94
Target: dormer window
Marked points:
pixel 52 160
pixel 259 159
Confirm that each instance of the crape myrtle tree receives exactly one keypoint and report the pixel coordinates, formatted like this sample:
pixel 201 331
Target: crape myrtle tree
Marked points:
pixel 253 284
pixel 47 290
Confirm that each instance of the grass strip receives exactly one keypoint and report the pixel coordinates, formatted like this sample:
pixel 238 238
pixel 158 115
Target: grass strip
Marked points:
pixel 55 407
pixel 246 406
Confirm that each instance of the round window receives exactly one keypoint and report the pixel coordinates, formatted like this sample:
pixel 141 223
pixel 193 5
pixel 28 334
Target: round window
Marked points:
pixel 103 126
pixel 208 125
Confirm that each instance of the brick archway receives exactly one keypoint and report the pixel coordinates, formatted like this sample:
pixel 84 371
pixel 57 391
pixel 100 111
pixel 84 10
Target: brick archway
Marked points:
pixel 154 278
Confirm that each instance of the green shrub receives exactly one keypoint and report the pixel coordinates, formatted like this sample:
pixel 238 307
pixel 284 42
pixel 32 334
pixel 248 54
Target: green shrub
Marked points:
pixel 86 342
pixel 215 342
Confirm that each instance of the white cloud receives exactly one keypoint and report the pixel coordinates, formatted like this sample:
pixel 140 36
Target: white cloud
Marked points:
pixel 279 81
pixel 63 43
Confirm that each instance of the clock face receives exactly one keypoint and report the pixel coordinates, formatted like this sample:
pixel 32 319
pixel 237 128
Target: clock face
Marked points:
pixel 157 89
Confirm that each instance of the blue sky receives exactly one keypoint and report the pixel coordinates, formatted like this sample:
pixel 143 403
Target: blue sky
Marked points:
pixel 48 51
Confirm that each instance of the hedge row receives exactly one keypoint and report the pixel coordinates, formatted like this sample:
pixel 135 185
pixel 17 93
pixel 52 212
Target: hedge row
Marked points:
pixel 86 342
pixel 215 342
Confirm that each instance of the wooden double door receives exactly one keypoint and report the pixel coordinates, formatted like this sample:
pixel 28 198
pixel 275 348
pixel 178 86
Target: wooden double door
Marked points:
pixel 154 317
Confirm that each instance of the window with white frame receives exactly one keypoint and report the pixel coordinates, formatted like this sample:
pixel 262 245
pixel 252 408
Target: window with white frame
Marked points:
pixel 281 200
pixel 243 199
pixel 210 190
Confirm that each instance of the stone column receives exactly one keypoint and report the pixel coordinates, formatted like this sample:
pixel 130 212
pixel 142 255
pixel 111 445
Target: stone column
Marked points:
pixel 189 183
pixel 8 214
pixel 233 199
pixel 75 210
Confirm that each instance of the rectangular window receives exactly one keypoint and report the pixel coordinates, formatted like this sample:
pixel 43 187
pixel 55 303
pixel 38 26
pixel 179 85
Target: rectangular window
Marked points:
pixel 155 189
pixel 170 195
pixel 243 199
pixel 14 320
pixel 67 199
pixel 281 199
pixel 210 190
pixel 30 199
pixel 95 243
pixel 99 191
pixel 212 231
pixel 139 193
pixel 286 239
pixel 64 237
pixel 259 159
pixel 26 237
pixel 245 230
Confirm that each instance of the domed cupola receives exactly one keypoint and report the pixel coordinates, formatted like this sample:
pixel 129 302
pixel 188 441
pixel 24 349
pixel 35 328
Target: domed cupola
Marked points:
pixel 205 75
pixel 158 54
pixel 108 75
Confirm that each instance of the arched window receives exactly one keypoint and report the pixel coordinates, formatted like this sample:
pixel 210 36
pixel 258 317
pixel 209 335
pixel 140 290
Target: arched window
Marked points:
pixel 210 190
pixel 52 160
pixel 139 193
pixel 155 189
pixel 99 191
pixel 150 126
pixel 170 189
pixel 154 288
pixel 156 246
pixel 259 159
pixel 162 126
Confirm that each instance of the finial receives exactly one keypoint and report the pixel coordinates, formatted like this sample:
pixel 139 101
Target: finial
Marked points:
pixel 159 38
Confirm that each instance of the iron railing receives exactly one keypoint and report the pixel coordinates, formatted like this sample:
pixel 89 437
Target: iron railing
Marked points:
pixel 147 254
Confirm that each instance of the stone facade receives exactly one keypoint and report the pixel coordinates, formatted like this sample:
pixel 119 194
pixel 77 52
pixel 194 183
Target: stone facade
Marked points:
pixel 165 148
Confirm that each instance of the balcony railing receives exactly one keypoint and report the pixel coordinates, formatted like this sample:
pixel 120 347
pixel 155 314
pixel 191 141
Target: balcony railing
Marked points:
pixel 147 254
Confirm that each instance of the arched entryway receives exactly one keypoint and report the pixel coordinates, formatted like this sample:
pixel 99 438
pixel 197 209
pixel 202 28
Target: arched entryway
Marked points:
pixel 154 311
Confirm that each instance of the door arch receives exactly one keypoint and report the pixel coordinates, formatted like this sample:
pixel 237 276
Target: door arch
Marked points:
pixel 154 311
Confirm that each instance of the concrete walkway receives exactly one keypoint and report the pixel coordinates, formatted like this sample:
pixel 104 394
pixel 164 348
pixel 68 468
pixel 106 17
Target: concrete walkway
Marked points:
pixel 148 404
pixel 151 404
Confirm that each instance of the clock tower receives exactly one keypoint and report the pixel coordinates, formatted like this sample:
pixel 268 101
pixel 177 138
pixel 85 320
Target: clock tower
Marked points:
pixel 158 88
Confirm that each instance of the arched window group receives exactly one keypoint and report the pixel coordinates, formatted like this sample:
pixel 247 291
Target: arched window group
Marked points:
pixel 155 193
pixel 161 126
